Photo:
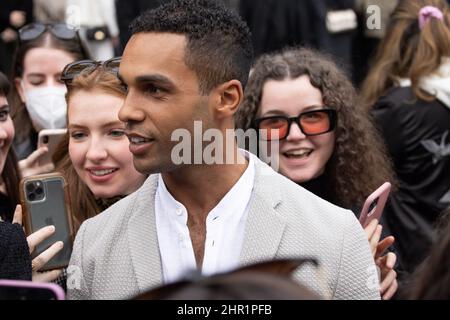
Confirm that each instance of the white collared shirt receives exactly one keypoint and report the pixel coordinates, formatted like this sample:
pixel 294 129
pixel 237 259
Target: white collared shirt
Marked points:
pixel 225 226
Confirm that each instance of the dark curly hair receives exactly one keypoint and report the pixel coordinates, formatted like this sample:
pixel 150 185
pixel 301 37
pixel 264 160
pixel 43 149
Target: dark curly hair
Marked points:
pixel 219 46
pixel 359 163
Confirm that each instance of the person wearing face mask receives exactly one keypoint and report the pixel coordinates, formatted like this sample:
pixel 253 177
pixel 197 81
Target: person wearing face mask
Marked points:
pixel 46 107
pixel 37 97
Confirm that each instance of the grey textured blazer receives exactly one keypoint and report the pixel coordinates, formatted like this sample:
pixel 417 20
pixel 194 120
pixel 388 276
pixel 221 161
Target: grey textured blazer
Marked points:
pixel 116 254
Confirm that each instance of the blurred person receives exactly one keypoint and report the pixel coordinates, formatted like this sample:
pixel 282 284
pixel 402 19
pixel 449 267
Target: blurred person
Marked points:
pixel 408 93
pixel 97 24
pixel 194 215
pixel 48 11
pixel 330 148
pixel 373 20
pixel 126 12
pixel 15 249
pixel 37 97
pixel 13 15
pixel 276 24
pixel 431 281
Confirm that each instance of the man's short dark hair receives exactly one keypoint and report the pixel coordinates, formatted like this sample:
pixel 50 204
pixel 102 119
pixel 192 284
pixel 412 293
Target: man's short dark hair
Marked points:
pixel 219 46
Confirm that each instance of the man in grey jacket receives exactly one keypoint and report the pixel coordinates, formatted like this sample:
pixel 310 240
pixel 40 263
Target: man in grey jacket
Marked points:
pixel 206 206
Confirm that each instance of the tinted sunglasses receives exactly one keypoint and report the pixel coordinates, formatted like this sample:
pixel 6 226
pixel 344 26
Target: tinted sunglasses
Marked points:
pixel 312 123
pixel 34 30
pixel 86 67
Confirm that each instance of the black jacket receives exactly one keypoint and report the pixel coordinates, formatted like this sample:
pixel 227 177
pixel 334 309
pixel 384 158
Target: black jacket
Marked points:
pixel 276 24
pixel 416 133
pixel 15 261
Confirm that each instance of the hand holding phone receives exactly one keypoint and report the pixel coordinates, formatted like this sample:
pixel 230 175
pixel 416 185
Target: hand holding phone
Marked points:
pixel 49 138
pixel 45 201
pixel 374 204
pixel 30 166
pixel 33 241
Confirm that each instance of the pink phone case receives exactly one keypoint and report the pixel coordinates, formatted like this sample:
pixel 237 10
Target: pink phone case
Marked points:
pixel 30 290
pixel 380 195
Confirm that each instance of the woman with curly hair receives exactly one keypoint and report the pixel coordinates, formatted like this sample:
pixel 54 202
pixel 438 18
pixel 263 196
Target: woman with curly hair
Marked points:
pixel 349 159
pixel 326 143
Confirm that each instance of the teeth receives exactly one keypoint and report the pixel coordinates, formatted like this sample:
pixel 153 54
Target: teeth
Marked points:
pixel 298 153
pixel 102 172
pixel 138 140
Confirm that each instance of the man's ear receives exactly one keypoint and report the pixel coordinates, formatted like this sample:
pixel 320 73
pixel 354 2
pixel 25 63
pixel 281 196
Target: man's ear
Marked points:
pixel 19 88
pixel 229 96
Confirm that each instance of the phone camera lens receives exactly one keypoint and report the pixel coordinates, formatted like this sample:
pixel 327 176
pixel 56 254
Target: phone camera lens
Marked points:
pixel 30 187
pixel 45 139
pixel 39 190
pixel 31 196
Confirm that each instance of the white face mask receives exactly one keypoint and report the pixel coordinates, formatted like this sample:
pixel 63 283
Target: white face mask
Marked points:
pixel 47 107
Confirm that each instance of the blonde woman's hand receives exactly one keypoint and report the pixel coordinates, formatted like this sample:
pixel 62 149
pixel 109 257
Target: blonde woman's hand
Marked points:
pixel 30 166
pixel 34 240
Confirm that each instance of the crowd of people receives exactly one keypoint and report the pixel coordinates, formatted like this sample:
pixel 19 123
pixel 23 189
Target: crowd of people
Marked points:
pixel 276 216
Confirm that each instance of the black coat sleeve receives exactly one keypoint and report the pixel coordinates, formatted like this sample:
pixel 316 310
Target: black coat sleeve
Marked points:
pixel 15 260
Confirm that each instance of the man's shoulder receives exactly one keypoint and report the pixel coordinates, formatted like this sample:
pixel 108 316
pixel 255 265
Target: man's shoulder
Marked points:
pixel 117 215
pixel 315 227
pixel 114 213
pixel 296 201
pixel 308 218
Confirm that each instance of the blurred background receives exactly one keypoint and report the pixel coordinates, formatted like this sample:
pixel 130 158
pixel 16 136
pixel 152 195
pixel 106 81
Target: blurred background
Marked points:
pixel 347 29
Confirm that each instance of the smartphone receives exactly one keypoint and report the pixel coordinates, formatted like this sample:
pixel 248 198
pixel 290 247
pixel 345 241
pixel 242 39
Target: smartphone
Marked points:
pixel 45 201
pixel 28 290
pixel 374 204
pixel 49 138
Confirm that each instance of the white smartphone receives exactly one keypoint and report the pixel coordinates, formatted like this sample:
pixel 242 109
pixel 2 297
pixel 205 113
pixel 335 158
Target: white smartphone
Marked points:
pixel 49 138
